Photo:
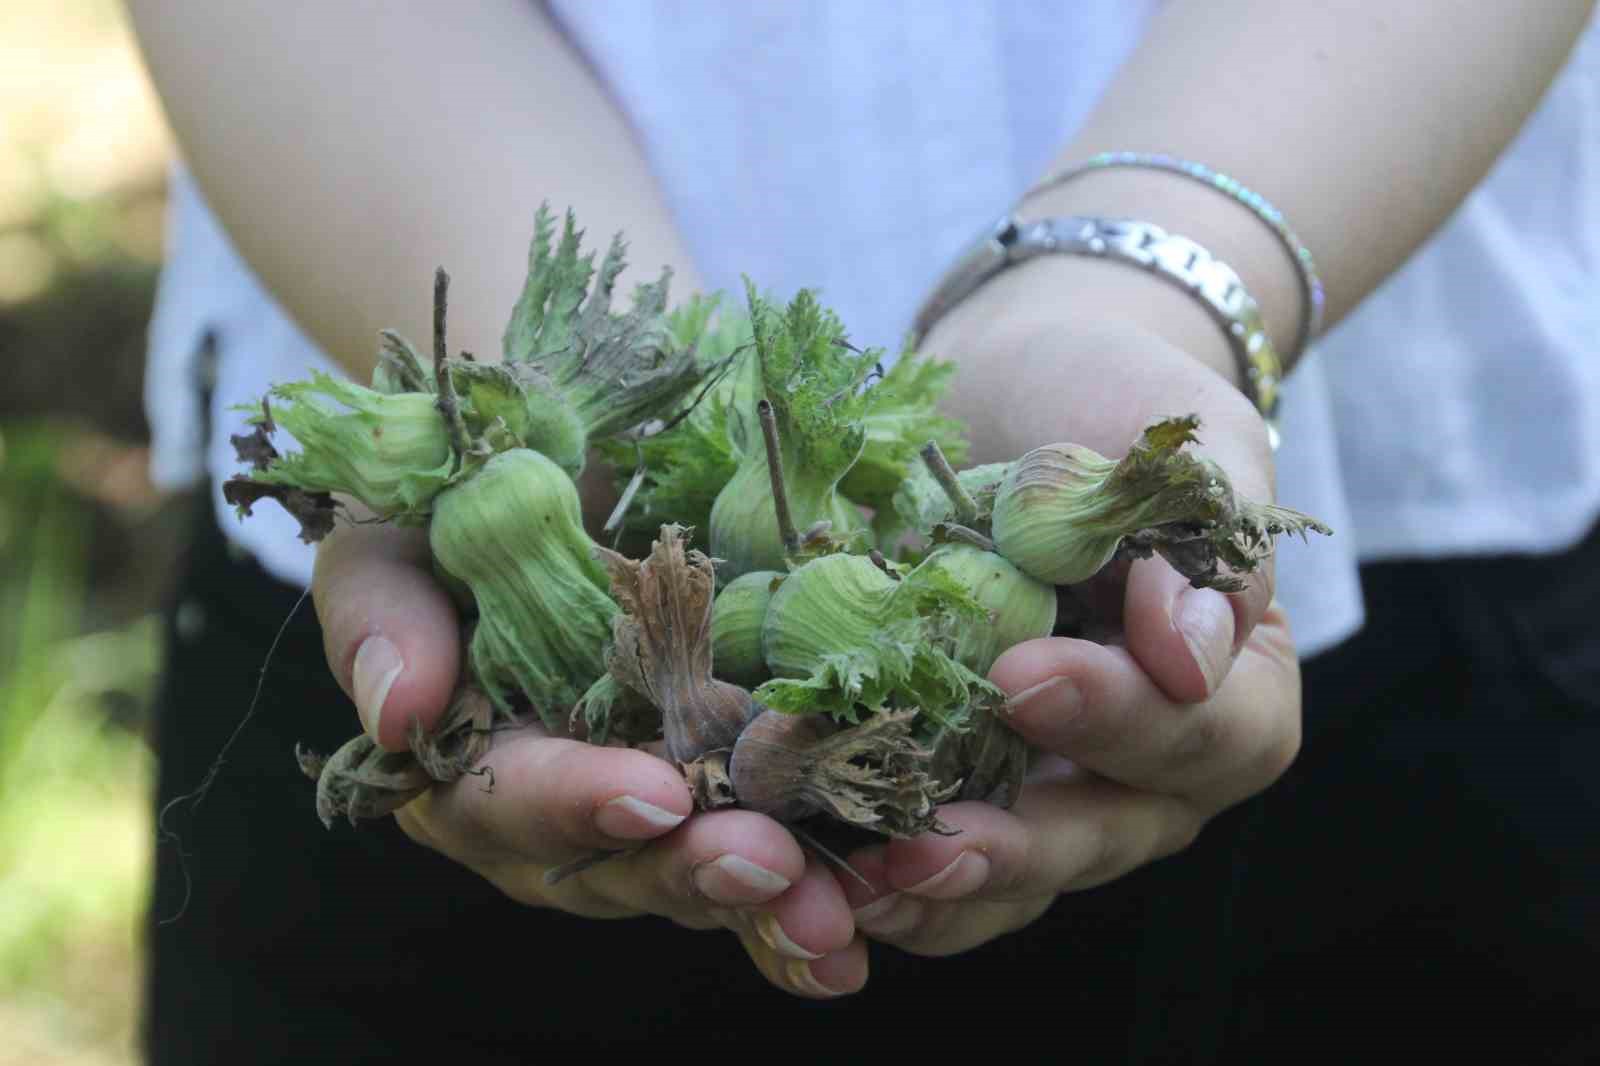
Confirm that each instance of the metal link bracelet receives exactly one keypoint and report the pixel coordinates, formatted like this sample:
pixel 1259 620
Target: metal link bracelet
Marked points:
pixel 1177 259
pixel 1311 291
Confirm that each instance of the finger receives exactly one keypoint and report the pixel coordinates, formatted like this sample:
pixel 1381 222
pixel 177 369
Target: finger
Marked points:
pixel 725 859
pixel 1097 707
pixel 1072 831
pixel 797 930
pixel 925 926
pixel 809 923
pixel 389 629
pixel 839 973
pixel 546 801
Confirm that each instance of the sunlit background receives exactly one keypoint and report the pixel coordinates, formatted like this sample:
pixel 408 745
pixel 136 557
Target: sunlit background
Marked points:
pixel 87 547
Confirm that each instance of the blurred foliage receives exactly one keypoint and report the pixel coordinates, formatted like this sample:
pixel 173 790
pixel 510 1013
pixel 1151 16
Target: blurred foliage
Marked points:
pixel 87 545
pixel 74 820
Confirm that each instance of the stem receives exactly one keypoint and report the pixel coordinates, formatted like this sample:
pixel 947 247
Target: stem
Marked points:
pixel 817 846
pixel 881 563
pixel 959 534
pixel 620 511
pixel 780 498
pixel 448 407
pixel 966 507
pixel 557 874
pixel 441 303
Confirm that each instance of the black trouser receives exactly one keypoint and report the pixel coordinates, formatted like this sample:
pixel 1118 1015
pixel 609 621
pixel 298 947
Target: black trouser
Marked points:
pixel 1426 879
pixel 1438 833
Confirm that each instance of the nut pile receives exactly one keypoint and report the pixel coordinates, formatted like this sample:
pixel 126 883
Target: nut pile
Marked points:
pixel 801 595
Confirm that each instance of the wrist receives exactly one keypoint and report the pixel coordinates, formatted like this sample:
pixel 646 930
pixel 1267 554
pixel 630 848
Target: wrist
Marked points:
pixel 1232 232
pixel 1055 354
pixel 1076 295
pixel 1055 222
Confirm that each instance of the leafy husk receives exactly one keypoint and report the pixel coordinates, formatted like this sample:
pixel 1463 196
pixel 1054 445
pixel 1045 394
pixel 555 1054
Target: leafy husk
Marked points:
pixel 661 645
pixel 847 638
pixel 513 533
pixel 813 380
pixel 362 781
pixel 1063 511
pixel 390 451
pixel 875 775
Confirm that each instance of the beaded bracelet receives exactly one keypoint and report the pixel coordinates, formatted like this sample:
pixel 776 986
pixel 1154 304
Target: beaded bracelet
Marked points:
pixel 1310 284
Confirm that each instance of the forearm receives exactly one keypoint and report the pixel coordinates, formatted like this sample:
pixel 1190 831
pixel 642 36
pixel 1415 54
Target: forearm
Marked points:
pixel 351 148
pixel 1365 124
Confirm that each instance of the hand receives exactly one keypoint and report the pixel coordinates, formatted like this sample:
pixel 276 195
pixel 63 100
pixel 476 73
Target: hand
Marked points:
pixel 392 639
pixel 1141 742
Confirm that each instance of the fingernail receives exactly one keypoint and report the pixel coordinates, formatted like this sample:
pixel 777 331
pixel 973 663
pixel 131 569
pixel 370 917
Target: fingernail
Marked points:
pixel 377 664
pixel 734 880
pixel 961 878
pixel 1059 694
pixel 1205 619
pixel 631 818
pixel 769 930
pixel 890 916
pixel 802 979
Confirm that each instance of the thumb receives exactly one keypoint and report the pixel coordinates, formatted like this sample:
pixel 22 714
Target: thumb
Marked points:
pixel 389 628
pixel 1187 638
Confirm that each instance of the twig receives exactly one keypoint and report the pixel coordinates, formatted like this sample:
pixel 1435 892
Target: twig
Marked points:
pixel 822 850
pixel 717 373
pixel 966 507
pixel 955 533
pixel 620 511
pixel 780 498
pixel 446 401
pixel 557 874
pixel 881 563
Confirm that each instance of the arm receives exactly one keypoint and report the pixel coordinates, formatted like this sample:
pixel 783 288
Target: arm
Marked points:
pixel 1367 126
pixel 349 149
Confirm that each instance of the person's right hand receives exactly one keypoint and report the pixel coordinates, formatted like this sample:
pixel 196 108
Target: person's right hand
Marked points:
pixel 391 634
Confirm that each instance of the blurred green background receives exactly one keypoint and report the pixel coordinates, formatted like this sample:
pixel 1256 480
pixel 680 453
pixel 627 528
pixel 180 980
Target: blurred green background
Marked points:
pixel 87 545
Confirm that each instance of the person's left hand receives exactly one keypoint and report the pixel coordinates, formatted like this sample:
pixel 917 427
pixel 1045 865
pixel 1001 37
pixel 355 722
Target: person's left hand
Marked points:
pixel 1128 775
pixel 1142 742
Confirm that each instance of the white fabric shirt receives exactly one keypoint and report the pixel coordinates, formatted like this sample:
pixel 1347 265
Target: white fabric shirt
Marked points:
pixel 855 148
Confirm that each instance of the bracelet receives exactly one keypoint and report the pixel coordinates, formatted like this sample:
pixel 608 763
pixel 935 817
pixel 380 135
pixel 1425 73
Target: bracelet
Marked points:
pixel 1177 259
pixel 1311 291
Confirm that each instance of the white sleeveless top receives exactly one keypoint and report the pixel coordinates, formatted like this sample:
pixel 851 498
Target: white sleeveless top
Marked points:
pixel 856 147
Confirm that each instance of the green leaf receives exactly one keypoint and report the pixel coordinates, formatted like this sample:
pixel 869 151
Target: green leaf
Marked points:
pixel 616 370
pixel 813 378
pixel 544 316
pixel 687 464
pixel 901 415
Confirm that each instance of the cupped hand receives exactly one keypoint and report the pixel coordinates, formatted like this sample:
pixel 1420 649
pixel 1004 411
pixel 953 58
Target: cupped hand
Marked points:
pixel 1141 742
pixel 391 634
